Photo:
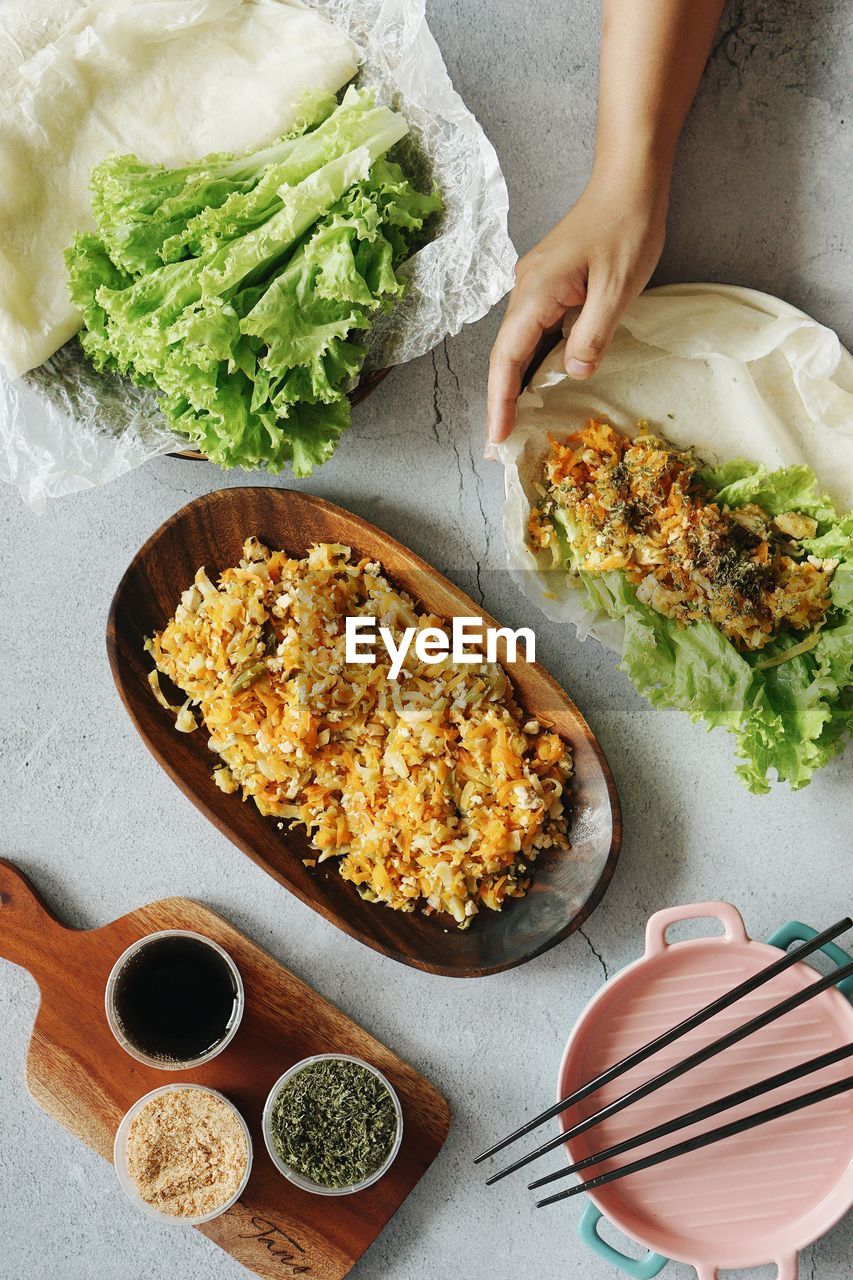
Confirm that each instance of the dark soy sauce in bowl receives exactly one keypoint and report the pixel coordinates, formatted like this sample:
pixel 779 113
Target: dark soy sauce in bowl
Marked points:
pixel 174 999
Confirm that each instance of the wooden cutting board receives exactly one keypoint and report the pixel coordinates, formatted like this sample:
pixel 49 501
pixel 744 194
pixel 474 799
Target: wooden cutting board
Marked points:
pixel 78 1073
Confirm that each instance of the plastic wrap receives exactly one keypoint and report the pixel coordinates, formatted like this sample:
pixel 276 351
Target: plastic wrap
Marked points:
pixel 726 371
pixel 64 428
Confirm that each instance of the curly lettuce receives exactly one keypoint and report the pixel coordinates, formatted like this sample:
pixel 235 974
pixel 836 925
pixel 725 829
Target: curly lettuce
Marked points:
pixel 790 705
pixel 241 288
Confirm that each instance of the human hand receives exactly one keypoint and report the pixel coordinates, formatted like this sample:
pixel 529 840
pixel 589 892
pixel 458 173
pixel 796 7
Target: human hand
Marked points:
pixel 600 256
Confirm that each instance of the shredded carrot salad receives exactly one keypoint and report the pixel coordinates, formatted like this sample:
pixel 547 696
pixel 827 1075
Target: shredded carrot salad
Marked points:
pixel 432 790
pixel 638 506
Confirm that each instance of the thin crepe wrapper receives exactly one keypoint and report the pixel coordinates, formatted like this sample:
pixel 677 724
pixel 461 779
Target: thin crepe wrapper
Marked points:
pixel 65 428
pixel 726 371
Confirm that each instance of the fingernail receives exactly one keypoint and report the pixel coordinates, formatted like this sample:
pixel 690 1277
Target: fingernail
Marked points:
pixel 579 368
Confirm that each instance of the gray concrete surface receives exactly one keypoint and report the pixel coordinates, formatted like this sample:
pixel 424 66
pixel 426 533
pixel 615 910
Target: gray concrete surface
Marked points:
pixel 761 198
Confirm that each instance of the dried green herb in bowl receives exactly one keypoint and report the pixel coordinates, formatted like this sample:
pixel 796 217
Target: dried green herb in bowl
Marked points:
pixel 332 1124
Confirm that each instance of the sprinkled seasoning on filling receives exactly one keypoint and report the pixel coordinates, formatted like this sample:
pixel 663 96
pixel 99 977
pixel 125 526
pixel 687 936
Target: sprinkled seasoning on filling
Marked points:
pixel 334 1123
pixel 638 506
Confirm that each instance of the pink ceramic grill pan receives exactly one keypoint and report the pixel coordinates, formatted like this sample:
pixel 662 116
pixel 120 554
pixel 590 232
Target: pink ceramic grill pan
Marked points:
pixel 756 1198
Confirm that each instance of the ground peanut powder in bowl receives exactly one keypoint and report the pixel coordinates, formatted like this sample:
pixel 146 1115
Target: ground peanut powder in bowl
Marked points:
pixel 186 1152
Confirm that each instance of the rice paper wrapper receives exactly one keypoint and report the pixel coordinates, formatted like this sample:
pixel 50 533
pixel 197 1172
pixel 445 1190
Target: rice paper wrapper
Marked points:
pixel 726 371
pixel 65 428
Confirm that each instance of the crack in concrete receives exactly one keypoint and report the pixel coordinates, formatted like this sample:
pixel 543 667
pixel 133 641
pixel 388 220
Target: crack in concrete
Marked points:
pixel 478 479
pixel 813 1261
pixel 454 375
pixel 438 421
pixel 487 537
pixel 747 26
pixel 458 457
pixel 165 484
pixel 438 418
pixel 437 425
pixel 478 482
pixel 599 957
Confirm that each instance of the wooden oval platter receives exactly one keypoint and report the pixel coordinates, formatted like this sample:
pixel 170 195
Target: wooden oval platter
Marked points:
pixel 81 1076
pixel 210 531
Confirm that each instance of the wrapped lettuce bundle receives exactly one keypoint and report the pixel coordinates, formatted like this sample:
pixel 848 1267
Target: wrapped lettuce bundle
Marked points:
pixel 738 610
pixel 240 288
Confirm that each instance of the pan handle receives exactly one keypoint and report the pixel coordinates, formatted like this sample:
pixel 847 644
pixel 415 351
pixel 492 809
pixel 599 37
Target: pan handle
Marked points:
pixel 729 917
pixel 786 1269
pixel 796 931
pixel 638 1268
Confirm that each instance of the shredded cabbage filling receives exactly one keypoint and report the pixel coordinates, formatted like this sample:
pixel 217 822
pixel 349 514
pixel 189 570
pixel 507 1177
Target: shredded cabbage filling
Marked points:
pixel 638 506
pixel 431 791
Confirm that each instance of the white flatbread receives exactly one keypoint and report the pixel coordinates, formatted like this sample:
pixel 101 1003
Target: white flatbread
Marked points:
pixel 728 371
pixel 170 80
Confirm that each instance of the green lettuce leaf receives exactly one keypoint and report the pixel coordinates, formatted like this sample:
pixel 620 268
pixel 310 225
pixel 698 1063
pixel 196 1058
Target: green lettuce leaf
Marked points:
pixel 788 719
pixel 139 208
pixel 788 489
pixel 240 288
pixel 358 123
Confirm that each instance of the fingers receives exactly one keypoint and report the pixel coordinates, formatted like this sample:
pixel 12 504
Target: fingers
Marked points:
pixel 514 346
pixel 522 328
pixel 594 328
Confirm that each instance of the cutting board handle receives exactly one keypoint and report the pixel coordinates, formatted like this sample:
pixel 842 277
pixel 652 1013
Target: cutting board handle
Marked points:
pixel 30 934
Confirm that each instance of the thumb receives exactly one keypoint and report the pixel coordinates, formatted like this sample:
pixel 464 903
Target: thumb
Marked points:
pixel 592 331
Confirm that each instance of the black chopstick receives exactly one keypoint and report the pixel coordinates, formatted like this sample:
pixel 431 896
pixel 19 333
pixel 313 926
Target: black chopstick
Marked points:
pixel 706 1139
pixel 679 1068
pixel 710 1109
pixel 675 1033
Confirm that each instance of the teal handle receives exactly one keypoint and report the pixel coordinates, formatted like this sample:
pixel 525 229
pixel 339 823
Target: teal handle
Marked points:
pixel 796 931
pixel 638 1268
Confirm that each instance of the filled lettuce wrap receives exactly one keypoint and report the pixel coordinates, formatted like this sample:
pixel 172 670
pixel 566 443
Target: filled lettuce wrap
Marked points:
pixel 708 540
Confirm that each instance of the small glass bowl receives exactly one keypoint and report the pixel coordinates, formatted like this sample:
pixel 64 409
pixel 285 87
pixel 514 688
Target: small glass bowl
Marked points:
pixel 127 1184
pixel 171 1064
pixel 298 1180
